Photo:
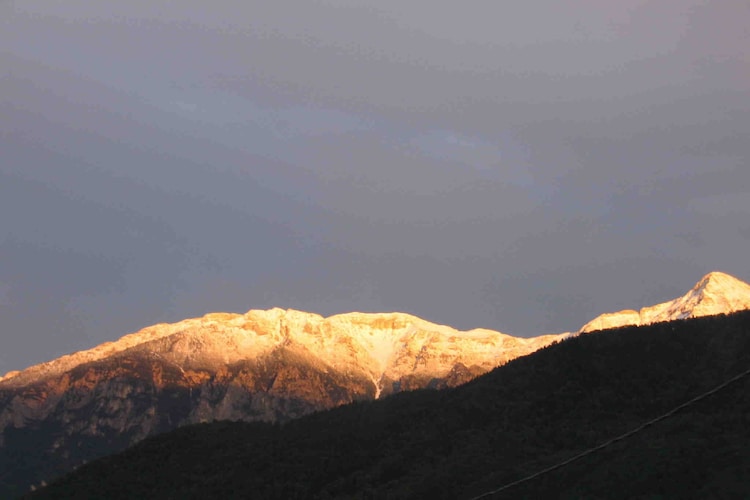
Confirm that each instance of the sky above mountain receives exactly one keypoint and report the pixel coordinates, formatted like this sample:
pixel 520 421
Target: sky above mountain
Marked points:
pixel 520 166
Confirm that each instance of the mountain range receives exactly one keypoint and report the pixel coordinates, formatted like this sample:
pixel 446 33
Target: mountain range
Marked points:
pixel 271 366
pixel 639 412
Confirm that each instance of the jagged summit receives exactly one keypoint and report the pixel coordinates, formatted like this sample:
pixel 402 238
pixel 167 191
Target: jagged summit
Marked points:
pixel 724 285
pixel 715 293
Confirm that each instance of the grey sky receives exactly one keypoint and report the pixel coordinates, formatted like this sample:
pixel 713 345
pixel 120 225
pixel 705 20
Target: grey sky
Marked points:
pixel 520 165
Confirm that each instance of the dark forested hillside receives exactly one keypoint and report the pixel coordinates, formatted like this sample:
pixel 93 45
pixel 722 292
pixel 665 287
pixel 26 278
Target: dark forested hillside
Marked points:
pixel 530 414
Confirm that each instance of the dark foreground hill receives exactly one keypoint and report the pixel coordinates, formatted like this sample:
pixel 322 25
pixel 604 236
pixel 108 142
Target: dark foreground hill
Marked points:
pixel 528 415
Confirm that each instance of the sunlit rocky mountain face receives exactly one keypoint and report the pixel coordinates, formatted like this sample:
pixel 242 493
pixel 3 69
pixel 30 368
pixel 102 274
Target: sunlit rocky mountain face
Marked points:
pixel 270 365
pixel 263 365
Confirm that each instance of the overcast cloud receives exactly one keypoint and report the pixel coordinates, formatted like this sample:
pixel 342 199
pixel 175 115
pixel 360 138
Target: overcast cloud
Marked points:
pixel 520 165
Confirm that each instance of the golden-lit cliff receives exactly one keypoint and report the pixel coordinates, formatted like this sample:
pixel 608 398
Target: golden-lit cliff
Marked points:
pixel 262 365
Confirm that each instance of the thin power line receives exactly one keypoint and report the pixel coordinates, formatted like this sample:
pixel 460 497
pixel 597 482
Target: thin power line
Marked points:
pixel 615 439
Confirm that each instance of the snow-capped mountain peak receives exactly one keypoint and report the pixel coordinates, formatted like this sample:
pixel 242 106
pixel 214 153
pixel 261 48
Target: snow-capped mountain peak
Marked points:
pixel 715 293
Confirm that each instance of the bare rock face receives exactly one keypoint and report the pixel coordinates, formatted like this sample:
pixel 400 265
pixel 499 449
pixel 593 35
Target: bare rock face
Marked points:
pixel 715 293
pixel 263 365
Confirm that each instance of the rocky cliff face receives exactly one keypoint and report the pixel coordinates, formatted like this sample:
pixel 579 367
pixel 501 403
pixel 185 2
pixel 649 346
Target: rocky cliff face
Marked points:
pixel 263 365
pixel 715 293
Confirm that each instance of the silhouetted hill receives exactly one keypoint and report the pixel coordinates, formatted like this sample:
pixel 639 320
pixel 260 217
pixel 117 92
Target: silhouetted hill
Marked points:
pixel 530 414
